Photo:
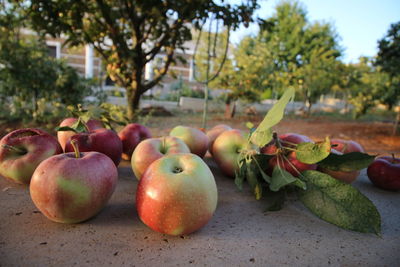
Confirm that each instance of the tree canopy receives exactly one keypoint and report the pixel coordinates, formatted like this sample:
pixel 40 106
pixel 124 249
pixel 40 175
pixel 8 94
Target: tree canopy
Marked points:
pixel 129 34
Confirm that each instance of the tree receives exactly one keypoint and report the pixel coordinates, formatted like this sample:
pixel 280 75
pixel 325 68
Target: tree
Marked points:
pixel 389 60
pixel 129 34
pixel 297 53
pixel 28 73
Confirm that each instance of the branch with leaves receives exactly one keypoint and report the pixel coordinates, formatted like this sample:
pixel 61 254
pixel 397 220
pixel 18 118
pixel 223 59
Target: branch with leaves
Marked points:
pixel 328 198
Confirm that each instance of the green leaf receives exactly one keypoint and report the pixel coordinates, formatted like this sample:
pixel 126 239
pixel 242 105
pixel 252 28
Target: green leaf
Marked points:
pixel 64 129
pixel 339 203
pixel 281 178
pixel 348 162
pixel 275 200
pixel 249 125
pixel 240 175
pixel 311 153
pixel 263 134
pixel 252 178
pixel 80 126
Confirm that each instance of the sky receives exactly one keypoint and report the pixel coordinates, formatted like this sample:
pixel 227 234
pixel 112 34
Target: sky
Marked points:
pixel 359 23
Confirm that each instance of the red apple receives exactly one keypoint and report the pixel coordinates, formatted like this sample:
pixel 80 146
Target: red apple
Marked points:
pixel 22 150
pixel 346 146
pixel 290 163
pixel 288 140
pixel 226 150
pixel 177 194
pixel 101 140
pixel 152 149
pixel 195 139
pixel 214 132
pixel 63 136
pixel 131 135
pixel 71 189
pixel 384 172
pixel 340 147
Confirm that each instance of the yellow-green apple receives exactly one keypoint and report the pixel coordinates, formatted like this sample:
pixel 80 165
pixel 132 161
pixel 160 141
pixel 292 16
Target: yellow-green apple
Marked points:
pixel 73 187
pixel 63 136
pixel 101 140
pixel 177 194
pixel 22 150
pixel 131 135
pixel 384 172
pixel 341 147
pixel 214 132
pixel 152 149
pixel 288 140
pixel 290 163
pixel 226 150
pixel 195 139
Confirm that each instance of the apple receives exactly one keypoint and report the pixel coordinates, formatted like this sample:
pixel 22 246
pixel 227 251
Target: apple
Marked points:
pixel 214 132
pixel 22 150
pixel 63 136
pixel 340 147
pixel 195 139
pixel 101 140
pixel 131 135
pixel 384 172
pixel 73 187
pixel 152 149
pixel 346 146
pixel 226 150
pixel 288 140
pixel 177 194
pixel 290 163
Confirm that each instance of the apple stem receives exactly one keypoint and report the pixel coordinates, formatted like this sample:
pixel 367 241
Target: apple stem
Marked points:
pixel 16 149
pixel 276 139
pixel 76 149
pixel 393 158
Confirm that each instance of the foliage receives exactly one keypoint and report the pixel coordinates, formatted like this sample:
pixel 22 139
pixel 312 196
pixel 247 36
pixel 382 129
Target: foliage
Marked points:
pixel 129 34
pixel 330 199
pixel 29 77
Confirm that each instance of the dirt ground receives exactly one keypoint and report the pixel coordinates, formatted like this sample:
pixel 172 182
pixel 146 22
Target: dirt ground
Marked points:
pixel 239 234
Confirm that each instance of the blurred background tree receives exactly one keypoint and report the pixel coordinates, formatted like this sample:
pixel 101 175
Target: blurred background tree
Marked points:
pixel 129 34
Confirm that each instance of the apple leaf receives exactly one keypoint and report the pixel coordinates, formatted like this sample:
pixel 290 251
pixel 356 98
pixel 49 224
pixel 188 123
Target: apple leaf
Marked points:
pixel 311 153
pixel 281 178
pixel 78 127
pixel 252 178
pixel 339 203
pixel 352 161
pixel 263 134
pixel 275 200
pixel 240 175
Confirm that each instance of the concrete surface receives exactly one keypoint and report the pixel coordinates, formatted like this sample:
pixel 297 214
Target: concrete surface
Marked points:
pixel 239 234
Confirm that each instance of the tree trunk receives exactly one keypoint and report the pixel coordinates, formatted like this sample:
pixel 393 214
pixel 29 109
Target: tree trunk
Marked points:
pixel 133 98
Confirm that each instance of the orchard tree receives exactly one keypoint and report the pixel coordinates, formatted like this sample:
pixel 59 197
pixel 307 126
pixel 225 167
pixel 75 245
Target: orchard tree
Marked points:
pixel 129 34
pixel 28 73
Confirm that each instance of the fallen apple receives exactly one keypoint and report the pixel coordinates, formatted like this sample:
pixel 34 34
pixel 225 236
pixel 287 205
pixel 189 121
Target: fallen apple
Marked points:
pixel 131 135
pixel 22 150
pixel 152 149
pixel 195 139
pixel 73 187
pixel 290 163
pixel 177 194
pixel 63 136
pixel 340 146
pixel 384 172
pixel 227 148
pixel 214 132
pixel 288 140
pixel 101 140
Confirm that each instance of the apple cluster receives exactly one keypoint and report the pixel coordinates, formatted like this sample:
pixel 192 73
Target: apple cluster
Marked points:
pixel 72 177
